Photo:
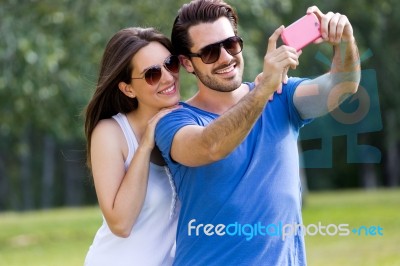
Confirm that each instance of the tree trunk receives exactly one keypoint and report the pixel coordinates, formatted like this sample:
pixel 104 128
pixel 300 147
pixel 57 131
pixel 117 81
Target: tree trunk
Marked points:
pixel 392 150
pixel 47 192
pixel 369 176
pixel 74 178
pixel 26 170
pixel 3 185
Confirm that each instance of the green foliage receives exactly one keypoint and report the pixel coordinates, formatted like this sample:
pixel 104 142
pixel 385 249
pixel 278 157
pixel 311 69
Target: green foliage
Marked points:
pixel 50 51
pixel 49 57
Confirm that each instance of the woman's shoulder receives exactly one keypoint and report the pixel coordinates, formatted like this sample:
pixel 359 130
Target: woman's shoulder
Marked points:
pixel 108 138
pixel 106 124
pixel 106 128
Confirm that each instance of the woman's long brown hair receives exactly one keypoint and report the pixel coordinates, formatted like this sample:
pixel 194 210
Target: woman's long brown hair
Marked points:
pixel 115 67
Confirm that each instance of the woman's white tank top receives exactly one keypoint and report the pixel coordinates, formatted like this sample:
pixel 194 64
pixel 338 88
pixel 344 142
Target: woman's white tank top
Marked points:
pixel 152 240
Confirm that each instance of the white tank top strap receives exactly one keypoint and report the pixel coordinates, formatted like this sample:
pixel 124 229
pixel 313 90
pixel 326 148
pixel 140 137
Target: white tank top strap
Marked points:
pixel 130 137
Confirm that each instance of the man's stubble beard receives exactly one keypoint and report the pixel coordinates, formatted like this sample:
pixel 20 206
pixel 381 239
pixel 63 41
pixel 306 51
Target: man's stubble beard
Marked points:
pixel 225 85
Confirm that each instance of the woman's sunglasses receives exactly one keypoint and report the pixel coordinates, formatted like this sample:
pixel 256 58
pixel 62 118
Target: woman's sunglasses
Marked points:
pixel 210 53
pixel 153 74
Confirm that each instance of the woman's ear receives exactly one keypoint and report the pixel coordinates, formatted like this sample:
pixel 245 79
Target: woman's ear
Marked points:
pixel 186 63
pixel 127 89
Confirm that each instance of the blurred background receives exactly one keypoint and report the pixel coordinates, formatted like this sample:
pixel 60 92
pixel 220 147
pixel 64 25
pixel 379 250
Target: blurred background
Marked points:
pixel 49 57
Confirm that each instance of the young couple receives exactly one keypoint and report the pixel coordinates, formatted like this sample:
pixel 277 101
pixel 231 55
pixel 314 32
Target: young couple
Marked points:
pixel 169 173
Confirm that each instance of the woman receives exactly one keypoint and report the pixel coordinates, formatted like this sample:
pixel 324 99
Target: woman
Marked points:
pixel 138 78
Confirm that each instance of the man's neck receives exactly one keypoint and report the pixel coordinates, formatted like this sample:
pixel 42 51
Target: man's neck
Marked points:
pixel 215 101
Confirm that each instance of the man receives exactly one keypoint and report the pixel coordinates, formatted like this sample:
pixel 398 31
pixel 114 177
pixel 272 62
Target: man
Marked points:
pixel 232 153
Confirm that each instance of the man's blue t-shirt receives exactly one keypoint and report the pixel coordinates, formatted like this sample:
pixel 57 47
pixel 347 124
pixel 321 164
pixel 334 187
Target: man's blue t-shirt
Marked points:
pixel 242 209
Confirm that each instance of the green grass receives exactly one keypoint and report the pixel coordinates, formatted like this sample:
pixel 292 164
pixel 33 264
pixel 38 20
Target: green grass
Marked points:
pixel 355 208
pixel 62 237
pixel 47 238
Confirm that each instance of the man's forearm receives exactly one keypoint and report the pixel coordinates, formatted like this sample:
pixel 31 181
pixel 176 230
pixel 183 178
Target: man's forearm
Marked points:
pixel 346 58
pixel 345 72
pixel 230 129
pixel 317 97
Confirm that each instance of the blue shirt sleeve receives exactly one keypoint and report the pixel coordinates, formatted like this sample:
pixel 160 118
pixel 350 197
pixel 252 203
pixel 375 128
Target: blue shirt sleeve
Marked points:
pixel 169 125
pixel 287 96
pixel 288 91
pixel 166 129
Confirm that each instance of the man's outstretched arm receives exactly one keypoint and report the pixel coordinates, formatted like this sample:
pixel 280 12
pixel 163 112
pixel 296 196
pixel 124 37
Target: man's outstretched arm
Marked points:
pixel 317 97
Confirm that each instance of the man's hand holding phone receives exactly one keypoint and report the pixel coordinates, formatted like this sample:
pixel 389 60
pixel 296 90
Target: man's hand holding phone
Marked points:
pixel 302 32
pixel 317 27
pixel 335 27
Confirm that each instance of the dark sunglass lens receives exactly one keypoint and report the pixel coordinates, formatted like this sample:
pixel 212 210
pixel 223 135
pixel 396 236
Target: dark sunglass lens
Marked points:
pixel 153 75
pixel 172 64
pixel 210 54
pixel 233 45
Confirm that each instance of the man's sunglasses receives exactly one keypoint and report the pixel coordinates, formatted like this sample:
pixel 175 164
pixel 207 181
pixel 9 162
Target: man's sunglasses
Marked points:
pixel 152 75
pixel 210 53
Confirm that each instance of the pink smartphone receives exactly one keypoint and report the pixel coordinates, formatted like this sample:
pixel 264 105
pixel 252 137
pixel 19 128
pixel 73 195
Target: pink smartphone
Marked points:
pixel 302 32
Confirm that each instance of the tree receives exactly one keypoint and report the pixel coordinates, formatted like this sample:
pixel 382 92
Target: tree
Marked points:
pixel 49 54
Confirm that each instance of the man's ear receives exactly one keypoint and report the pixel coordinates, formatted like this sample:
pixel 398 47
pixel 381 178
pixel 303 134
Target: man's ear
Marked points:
pixel 127 89
pixel 186 63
